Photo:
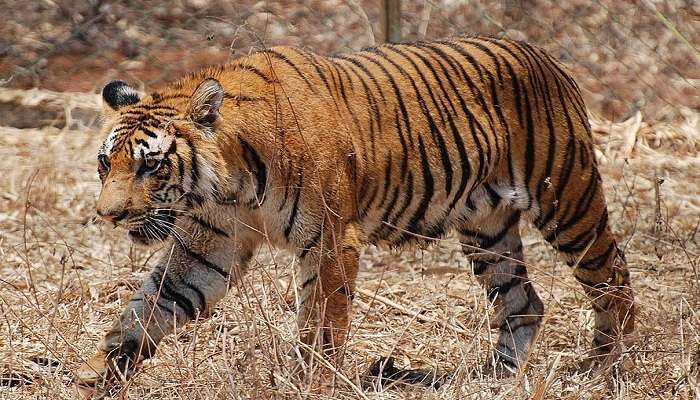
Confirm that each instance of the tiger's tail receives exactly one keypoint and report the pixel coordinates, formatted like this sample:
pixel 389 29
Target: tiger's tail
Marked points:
pixel 386 373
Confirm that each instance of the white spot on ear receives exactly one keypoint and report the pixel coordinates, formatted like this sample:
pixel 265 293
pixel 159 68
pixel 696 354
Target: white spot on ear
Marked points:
pixel 128 91
pixel 205 104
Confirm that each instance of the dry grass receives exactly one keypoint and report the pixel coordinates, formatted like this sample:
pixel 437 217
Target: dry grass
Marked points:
pixel 63 280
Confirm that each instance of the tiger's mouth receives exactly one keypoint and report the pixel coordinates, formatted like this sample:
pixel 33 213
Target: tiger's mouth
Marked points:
pixel 154 226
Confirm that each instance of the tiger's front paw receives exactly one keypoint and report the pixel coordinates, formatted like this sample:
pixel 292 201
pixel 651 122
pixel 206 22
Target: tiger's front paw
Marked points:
pixel 92 376
pixel 96 376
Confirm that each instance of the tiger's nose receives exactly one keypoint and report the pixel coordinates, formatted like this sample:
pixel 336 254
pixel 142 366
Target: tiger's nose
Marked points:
pixel 112 217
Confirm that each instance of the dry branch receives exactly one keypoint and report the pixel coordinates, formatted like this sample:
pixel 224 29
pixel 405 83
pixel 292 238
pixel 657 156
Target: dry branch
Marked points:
pixel 405 310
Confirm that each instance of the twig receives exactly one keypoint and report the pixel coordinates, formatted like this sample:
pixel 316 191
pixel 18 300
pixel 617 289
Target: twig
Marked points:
pixel 414 314
pixel 424 19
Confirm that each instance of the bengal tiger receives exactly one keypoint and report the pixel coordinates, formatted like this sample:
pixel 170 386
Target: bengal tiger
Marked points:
pixel 393 145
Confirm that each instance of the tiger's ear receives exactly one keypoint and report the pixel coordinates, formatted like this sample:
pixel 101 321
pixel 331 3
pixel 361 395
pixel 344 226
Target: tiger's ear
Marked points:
pixel 117 94
pixel 205 102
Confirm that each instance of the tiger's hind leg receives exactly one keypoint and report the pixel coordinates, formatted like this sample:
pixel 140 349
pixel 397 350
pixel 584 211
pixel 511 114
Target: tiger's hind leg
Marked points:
pixel 492 241
pixel 579 229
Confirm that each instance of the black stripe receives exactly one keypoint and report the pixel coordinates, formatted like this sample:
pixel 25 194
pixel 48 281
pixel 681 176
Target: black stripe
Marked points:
pixel 414 51
pixel 172 149
pixel 404 147
pixel 287 61
pixel 373 111
pixel 434 131
pixel 505 46
pixel 208 225
pixel 260 170
pixel 502 289
pixel 517 95
pixel 542 221
pixel 165 307
pixel 200 296
pixel 365 205
pixel 309 281
pixel 166 290
pixel 333 66
pixel 570 156
pixel 295 207
pixel 479 68
pixel 180 167
pixel 387 180
pixel 143 143
pixel 492 83
pixel 341 67
pixel 253 70
pixel 529 144
pixel 147 131
pixel 408 197
pixel 582 208
pixel 170 292
pixel 319 72
pixel 427 189
pixel 310 244
pixel 463 162
pixel 548 62
pixel 463 158
pixel 486 241
pixel 202 260
pixel 581 241
pixel 494 197
pixel 455 68
pixel 366 71
pixel 397 92
pixel 599 261
pixel 551 139
pixel 480 266
pixel 532 74
pixel 467 56
pixel 389 207
pixel 287 180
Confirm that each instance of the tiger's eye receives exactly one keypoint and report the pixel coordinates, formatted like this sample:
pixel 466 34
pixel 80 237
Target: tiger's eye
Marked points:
pixel 151 163
pixel 149 166
pixel 103 163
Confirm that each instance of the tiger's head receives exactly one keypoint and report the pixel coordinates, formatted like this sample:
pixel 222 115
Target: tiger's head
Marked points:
pixel 160 157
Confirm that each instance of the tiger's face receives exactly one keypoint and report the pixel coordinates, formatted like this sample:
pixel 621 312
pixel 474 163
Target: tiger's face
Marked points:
pixel 159 158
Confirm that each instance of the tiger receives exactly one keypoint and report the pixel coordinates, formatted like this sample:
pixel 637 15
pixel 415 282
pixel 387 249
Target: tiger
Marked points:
pixel 394 145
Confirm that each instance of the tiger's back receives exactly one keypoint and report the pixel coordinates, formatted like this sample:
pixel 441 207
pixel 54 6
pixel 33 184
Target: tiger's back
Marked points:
pixel 434 128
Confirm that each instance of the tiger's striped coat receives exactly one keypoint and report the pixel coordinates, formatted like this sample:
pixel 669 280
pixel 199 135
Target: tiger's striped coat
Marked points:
pixel 322 155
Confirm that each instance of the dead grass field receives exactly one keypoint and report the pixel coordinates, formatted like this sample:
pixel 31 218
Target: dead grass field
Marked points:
pixel 64 279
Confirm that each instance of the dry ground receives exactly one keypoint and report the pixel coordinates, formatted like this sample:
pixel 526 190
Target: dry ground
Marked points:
pixel 64 279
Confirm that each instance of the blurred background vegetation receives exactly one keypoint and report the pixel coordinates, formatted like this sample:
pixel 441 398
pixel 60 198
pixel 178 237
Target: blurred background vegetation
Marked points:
pixel 628 55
